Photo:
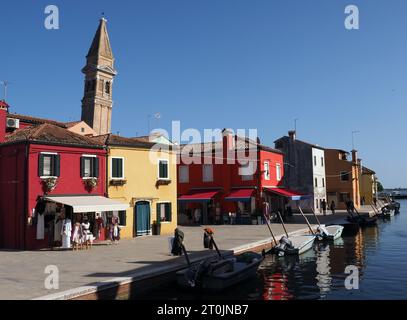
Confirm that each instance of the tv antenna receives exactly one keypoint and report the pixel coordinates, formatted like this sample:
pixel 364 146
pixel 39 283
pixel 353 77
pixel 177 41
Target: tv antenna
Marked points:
pixel 5 85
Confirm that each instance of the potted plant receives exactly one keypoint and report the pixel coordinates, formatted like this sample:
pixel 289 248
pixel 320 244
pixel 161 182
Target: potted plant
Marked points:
pixel 91 183
pixel 50 183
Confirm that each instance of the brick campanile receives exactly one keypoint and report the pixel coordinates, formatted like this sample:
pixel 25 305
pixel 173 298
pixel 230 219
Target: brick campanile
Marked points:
pixel 99 72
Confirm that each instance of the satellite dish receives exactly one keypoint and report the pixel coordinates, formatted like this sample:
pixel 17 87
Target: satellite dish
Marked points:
pixel 157 115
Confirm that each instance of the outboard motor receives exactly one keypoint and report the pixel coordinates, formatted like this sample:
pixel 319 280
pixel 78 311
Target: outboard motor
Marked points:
pixel 283 245
pixel 322 232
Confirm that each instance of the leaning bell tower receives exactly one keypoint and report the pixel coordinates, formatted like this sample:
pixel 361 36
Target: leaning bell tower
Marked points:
pixel 99 73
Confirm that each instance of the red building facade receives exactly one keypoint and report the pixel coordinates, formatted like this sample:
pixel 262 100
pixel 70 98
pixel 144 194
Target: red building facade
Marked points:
pixel 221 190
pixel 27 158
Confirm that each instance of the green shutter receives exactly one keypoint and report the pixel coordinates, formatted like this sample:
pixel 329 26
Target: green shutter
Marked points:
pixel 96 167
pixel 40 165
pixel 168 214
pixel 120 168
pixel 57 166
pixel 158 213
pixel 114 168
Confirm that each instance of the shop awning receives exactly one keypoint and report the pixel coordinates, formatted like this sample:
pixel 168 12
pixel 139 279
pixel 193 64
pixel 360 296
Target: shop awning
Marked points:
pixel 240 195
pixel 82 204
pixel 198 196
pixel 291 194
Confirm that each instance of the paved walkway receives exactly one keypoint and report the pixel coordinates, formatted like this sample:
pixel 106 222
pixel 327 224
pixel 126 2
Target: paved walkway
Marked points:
pixel 22 273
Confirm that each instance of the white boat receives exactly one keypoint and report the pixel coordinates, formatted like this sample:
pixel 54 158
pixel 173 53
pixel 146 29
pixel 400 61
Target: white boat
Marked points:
pixel 294 245
pixel 332 232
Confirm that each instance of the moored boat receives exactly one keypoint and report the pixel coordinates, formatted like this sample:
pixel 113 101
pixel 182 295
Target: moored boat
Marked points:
pixel 330 233
pixel 219 274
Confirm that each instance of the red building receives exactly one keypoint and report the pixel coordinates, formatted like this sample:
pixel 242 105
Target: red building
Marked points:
pixel 209 191
pixel 48 164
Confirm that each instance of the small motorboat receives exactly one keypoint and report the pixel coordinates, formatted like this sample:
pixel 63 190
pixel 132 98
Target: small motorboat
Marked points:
pixel 363 221
pixel 293 245
pixel 330 233
pixel 219 274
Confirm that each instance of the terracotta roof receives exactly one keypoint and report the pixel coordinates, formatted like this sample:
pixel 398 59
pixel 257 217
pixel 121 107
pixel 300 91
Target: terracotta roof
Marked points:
pixel 35 120
pixel 115 140
pixel 51 134
pixel 241 144
pixel 71 124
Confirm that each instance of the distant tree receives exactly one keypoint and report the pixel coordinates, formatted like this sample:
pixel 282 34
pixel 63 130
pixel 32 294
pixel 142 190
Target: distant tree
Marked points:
pixel 379 186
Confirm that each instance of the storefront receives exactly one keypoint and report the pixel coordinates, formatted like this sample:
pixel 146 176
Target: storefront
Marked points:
pixel 199 206
pixel 69 221
pixel 244 206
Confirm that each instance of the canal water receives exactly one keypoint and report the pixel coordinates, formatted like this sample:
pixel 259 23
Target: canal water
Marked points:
pixel 379 253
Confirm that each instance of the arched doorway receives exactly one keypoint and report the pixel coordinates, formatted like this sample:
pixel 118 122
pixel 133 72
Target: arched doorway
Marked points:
pixel 142 218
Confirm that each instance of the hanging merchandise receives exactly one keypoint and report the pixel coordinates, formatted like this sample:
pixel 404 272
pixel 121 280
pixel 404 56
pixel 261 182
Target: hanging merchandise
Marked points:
pixel 40 226
pixel 66 233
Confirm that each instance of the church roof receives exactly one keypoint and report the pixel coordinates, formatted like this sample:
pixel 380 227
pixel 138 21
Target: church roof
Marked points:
pixel 101 43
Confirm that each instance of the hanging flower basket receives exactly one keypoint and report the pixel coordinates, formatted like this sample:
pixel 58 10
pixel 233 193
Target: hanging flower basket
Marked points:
pixel 91 183
pixel 50 183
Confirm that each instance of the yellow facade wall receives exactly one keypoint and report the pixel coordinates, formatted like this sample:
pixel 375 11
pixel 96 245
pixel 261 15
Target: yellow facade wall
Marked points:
pixel 367 187
pixel 141 175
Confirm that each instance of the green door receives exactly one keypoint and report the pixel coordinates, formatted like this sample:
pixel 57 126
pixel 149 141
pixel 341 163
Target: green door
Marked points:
pixel 142 218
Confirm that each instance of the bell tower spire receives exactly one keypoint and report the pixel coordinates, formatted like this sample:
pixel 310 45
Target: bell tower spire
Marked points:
pixel 99 72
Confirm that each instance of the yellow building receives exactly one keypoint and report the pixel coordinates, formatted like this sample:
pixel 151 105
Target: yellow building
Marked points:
pixel 368 186
pixel 145 177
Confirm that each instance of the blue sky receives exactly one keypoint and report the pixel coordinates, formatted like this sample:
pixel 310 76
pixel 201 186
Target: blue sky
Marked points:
pixel 225 63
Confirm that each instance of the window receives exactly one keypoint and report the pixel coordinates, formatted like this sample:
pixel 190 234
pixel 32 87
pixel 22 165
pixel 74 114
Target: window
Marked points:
pixel 164 213
pixel 317 203
pixel 183 174
pixel 117 171
pixel 163 169
pixel 89 167
pixel 316 182
pixel 278 172
pixel 266 170
pixel 344 176
pixel 48 165
pixel 207 173
pixel 246 171
pixel 322 161
pixel 82 129
pixel 107 87
pixel 122 218
pixel 323 182
pixel 315 161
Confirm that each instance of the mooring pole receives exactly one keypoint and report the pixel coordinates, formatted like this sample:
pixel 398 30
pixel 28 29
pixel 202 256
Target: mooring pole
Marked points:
pixel 309 226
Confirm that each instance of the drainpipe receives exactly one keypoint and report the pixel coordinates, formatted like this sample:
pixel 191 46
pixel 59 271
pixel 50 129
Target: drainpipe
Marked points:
pixel 25 218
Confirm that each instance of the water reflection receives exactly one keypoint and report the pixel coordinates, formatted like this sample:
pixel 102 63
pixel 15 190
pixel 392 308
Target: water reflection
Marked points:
pixel 319 272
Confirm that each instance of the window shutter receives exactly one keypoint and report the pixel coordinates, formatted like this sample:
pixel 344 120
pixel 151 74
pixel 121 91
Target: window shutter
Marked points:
pixel 40 165
pixel 114 168
pixel 169 212
pixel 96 167
pixel 82 167
pixel 158 213
pixel 57 161
pixel 120 168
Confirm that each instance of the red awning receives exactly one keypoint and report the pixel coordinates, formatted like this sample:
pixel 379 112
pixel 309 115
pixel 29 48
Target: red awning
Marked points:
pixel 240 195
pixel 293 195
pixel 198 196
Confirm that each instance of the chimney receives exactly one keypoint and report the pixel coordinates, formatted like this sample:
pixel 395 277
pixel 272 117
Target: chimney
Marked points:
pixel 3 119
pixel 292 135
pixel 354 156
pixel 228 137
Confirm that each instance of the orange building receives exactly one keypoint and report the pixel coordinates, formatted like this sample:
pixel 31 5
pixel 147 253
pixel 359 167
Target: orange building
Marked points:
pixel 342 177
